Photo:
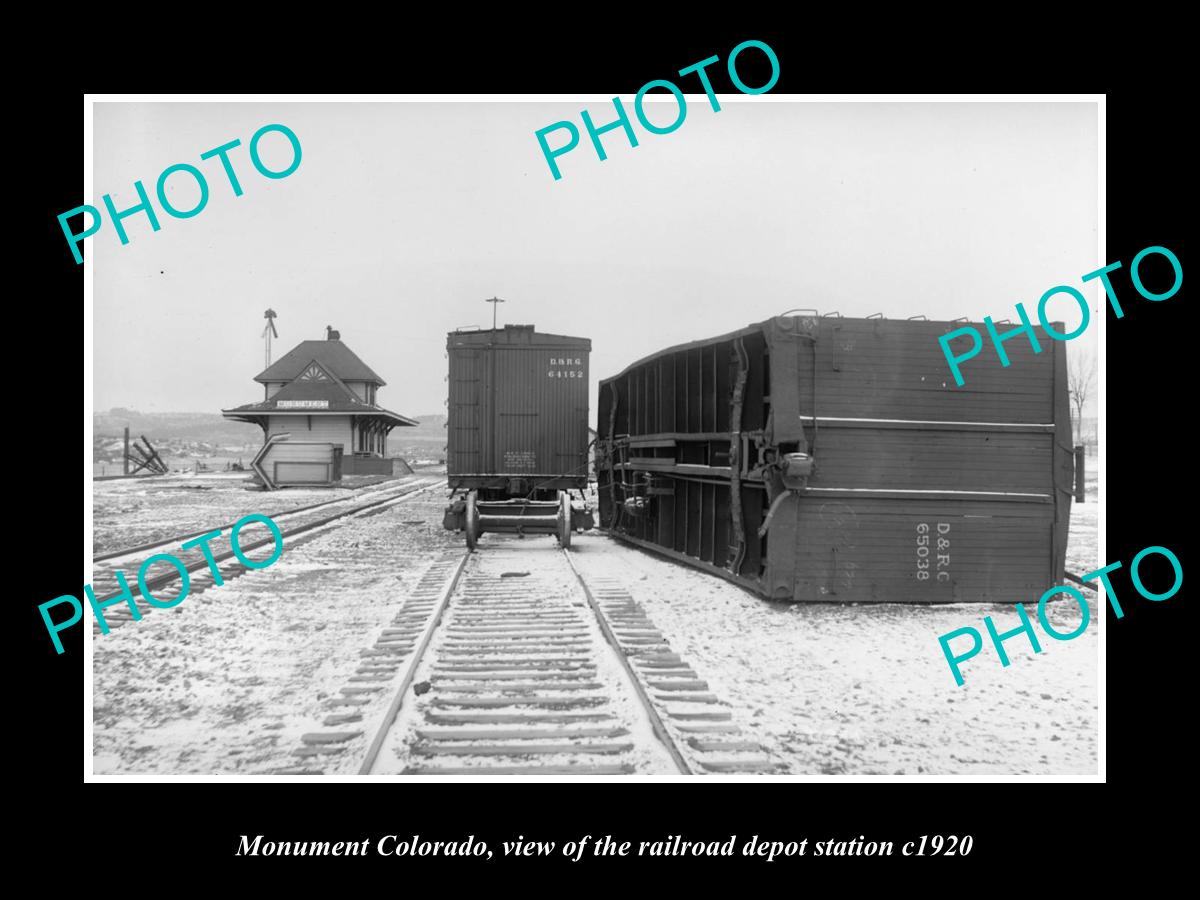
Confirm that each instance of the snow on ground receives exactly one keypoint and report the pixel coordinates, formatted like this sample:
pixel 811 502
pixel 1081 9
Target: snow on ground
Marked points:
pixel 865 689
pixel 548 580
pixel 228 681
pixel 1082 548
pixel 135 511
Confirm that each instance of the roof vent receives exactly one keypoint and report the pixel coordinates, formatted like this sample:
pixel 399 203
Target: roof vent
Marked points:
pixel 331 335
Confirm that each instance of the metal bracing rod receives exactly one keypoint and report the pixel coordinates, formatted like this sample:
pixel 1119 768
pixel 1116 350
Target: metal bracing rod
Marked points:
pixel 494 301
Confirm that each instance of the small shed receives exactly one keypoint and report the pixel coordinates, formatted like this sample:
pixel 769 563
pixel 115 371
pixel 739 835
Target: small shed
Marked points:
pixel 283 462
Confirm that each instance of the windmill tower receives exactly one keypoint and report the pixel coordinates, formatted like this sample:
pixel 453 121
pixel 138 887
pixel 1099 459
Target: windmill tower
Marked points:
pixel 268 332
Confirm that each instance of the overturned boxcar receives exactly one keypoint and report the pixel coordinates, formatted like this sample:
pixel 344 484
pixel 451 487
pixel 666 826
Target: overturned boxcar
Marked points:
pixel 833 459
pixel 517 433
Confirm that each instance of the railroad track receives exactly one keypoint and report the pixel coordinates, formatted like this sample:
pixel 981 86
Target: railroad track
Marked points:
pixel 296 525
pixel 167 543
pixel 507 662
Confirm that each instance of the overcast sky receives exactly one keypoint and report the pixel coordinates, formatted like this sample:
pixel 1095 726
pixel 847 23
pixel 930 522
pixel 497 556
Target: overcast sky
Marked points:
pixel 403 217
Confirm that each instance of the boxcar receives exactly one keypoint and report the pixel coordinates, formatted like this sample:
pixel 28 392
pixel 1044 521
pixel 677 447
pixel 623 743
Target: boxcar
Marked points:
pixel 517 432
pixel 834 459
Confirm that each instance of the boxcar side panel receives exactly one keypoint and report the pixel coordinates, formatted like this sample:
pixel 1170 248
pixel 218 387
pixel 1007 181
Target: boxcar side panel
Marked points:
pixel 911 458
pixel 841 547
pixel 889 369
pixel 694 443
pixel 467 396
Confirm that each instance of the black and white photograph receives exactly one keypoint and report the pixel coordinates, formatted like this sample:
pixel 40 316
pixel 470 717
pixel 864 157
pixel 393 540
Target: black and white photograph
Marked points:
pixel 732 436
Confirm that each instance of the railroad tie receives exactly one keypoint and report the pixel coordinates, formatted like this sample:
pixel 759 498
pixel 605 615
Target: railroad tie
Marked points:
pixel 514 734
pixel 711 746
pixel 678 685
pixel 329 737
pixel 738 765
pixel 489 649
pixel 484 675
pixel 520 749
pixel 623 769
pixel 473 664
pixel 319 750
pixel 688 698
pixel 464 718
pixel 707 714
pixel 341 719
pixel 659 661
pixel 491 702
pixel 707 728
pixel 523 688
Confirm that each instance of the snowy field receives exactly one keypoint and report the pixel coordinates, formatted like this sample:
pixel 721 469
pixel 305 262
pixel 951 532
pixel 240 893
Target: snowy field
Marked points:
pixel 134 511
pixel 865 689
pixel 229 680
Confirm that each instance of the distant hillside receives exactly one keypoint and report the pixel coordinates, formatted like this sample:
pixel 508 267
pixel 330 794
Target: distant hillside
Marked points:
pixel 205 435
pixel 431 421
pixel 208 427
pixel 423 441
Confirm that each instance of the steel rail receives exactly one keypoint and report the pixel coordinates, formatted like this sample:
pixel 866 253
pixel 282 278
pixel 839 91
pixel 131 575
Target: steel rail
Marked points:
pixel 167 578
pixel 414 659
pixel 656 723
pixel 179 539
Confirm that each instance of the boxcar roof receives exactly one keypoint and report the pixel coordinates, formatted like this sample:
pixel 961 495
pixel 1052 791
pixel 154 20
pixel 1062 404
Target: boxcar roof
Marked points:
pixel 515 335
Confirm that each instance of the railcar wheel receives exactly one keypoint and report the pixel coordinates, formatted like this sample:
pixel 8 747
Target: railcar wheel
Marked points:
pixel 472 516
pixel 564 520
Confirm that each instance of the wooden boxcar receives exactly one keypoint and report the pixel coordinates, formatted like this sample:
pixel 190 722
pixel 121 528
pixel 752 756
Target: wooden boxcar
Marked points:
pixel 834 459
pixel 517 432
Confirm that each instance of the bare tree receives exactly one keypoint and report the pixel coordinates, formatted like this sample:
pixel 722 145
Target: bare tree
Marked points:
pixel 1081 379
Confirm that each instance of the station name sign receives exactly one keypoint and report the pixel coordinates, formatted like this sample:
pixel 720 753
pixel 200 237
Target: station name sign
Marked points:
pixel 302 404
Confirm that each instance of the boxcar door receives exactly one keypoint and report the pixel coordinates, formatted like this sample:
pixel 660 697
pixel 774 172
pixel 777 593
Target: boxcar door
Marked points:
pixel 464 436
pixel 518 428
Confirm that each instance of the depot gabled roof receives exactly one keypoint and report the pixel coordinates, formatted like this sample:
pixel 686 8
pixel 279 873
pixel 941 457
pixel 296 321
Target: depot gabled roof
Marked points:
pixel 316 391
pixel 328 403
pixel 335 357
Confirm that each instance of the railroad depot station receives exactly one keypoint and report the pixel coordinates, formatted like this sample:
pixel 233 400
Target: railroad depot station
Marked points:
pixel 322 391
